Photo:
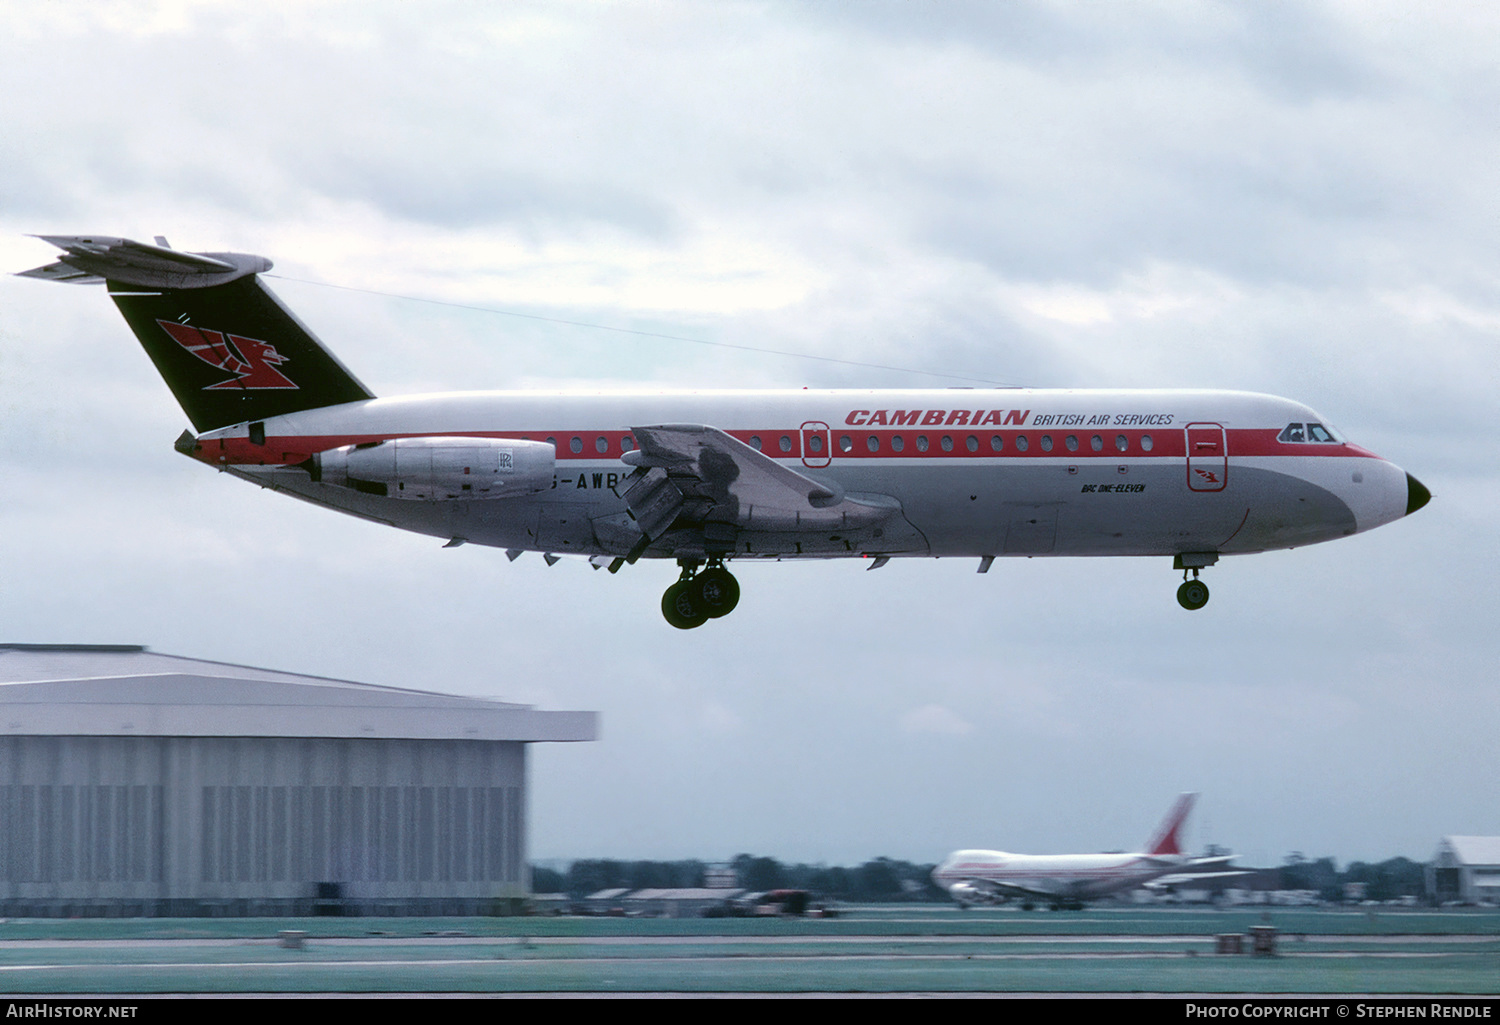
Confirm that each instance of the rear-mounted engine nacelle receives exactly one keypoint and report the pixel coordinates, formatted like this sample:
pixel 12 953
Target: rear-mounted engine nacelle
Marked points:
pixel 439 469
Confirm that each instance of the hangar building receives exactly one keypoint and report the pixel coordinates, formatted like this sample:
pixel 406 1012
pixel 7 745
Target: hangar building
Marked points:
pixel 1465 868
pixel 136 783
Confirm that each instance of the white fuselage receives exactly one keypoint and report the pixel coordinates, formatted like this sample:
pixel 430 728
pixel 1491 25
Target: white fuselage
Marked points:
pixel 1052 876
pixel 1004 472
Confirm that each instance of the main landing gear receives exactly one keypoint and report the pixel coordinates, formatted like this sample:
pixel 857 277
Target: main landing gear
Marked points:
pixel 698 597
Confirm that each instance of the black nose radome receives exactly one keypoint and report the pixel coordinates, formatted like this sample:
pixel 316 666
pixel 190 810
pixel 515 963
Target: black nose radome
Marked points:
pixel 1416 495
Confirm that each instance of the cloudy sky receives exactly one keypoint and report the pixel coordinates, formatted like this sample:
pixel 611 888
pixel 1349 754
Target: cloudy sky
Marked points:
pixel 1296 198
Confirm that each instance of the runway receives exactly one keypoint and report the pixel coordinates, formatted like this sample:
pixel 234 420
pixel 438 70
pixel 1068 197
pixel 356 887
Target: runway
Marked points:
pixel 868 950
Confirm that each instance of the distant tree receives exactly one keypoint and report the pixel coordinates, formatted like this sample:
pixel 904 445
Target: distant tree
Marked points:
pixel 1297 873
pixel 832 882
pixel 688 873
pixel 930 890
pixel 642 875
pixel 547 880
pixel 877 880
pixel 886 879
pixel 1390 879
pixel 593 874
pixel 1404 877
pixel 916 881
pixel 759 873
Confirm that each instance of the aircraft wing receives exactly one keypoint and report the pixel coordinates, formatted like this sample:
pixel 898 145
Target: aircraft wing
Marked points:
pixel 1215 861
pixel 1188 878
pixel 1197 870
pixel 700 474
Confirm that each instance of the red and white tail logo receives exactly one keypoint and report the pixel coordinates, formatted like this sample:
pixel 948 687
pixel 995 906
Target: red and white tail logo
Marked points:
pixel 253 363
pixel 1168 838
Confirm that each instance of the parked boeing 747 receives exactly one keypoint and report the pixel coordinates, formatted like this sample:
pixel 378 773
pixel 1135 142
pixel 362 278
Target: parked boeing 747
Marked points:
pixel 1068 880
pixel 706 477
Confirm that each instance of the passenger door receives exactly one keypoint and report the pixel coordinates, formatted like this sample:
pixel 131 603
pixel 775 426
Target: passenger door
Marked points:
pixel 1207 457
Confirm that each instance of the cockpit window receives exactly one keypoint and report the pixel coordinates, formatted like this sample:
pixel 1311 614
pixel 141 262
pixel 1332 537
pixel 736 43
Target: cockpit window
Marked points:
pixel 1298 434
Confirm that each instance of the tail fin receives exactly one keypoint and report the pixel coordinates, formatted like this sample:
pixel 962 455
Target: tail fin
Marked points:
pixel 226 346
pixel 1167 839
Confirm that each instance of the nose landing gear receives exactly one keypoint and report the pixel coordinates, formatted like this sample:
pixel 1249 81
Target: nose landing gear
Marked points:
pixel 699 597
pixel 1193 594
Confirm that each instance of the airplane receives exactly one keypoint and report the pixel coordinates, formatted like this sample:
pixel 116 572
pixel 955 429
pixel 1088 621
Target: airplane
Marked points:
pixel 710 477
pixel 1068 880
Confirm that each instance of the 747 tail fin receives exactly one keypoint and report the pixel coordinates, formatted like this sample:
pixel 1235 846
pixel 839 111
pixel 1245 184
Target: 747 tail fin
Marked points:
pixel 226 346
pixel 1168 838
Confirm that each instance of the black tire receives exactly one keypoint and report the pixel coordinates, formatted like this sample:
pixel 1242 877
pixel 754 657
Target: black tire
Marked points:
pixel 1192 595
pixel 681 607
pixel 717 592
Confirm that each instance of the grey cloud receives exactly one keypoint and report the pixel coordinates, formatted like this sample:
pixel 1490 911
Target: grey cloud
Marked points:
pixel 1293 49
pixel 460 195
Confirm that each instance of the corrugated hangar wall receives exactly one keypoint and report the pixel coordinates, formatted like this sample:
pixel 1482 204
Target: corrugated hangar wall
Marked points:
pixel 139 783
pixel 259 825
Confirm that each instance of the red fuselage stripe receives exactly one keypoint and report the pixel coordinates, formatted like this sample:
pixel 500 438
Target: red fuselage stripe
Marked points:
pixel 1165 443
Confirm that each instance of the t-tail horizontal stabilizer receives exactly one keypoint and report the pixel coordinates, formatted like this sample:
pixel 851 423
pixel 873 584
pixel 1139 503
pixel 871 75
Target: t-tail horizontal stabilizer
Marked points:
pixel 93 259
pixel 226 346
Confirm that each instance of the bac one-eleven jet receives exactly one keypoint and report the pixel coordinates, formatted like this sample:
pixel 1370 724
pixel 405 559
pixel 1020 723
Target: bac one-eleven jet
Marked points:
pixel 706 477
pixel 1068 880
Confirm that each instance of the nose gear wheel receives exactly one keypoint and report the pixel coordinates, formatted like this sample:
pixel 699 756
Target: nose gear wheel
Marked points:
pixel 1193 594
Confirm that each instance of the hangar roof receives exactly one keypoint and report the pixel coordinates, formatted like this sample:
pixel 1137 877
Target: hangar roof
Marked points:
pixel 1475 850
pixel 126 690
